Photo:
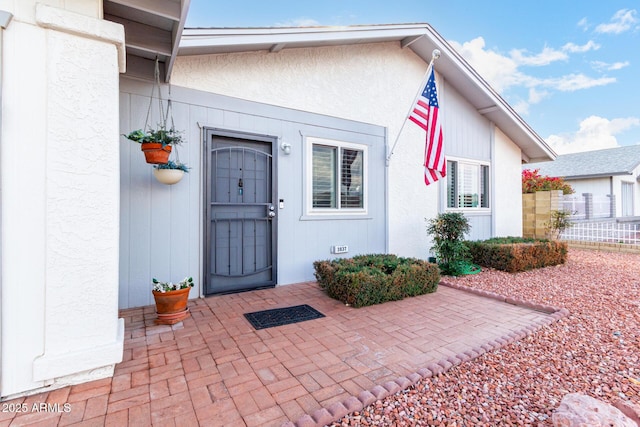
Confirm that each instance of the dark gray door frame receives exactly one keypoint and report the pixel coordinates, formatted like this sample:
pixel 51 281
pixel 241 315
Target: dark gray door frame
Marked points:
pixel 269 141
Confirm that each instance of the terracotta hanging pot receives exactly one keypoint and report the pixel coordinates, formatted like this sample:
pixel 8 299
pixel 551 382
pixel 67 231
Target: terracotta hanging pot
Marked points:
pixel 171 307
pixel 155 153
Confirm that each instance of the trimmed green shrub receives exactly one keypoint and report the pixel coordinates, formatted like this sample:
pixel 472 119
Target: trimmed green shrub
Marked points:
pixel 513 254
pixel 447 231
pixel 373 279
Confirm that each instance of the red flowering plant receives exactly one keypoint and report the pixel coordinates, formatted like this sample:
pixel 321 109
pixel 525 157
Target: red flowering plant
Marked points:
pixel 532 181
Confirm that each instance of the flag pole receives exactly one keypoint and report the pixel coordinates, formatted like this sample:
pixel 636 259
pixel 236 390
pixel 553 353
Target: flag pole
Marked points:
pixel 434 55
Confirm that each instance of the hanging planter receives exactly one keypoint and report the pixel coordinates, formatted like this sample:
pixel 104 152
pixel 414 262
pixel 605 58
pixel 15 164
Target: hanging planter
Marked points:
pixel 156 144
pixel 170 173
pixel 155 153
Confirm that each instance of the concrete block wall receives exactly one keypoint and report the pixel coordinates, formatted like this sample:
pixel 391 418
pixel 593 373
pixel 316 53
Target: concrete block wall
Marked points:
pixel 536 212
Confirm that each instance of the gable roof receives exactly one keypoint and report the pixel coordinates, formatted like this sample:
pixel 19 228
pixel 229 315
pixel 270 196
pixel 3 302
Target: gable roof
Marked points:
pixel 421 38
pixel 592 164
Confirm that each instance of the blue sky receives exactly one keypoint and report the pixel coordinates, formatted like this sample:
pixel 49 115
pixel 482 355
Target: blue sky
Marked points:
pixel 570 68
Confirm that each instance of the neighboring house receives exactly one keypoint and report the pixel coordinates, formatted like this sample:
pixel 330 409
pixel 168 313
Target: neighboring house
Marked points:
pixel 610 177
pixel 289 133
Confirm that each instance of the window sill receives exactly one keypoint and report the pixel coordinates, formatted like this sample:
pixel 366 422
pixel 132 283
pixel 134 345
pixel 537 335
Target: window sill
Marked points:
pixel 471 211
pixel 335 216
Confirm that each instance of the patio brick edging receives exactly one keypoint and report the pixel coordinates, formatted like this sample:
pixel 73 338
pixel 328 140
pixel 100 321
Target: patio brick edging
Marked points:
pixel 337 410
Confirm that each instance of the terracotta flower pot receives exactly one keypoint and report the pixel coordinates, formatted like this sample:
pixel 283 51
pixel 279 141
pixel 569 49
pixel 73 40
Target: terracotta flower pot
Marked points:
pixel 171 307
pixel 155 153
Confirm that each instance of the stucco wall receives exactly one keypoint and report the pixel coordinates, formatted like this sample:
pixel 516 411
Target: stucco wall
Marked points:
pixel 60 204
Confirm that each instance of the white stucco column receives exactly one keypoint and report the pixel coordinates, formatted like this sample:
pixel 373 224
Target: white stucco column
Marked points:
pixel 60 198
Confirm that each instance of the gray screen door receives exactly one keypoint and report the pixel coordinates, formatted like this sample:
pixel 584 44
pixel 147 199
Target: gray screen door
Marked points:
pixel 240 240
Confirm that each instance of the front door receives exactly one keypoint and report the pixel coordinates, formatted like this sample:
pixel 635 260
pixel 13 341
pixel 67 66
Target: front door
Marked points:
pixel 240 227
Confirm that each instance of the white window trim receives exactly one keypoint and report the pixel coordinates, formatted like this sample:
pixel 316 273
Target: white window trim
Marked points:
pixel 490 186
pixel 310 211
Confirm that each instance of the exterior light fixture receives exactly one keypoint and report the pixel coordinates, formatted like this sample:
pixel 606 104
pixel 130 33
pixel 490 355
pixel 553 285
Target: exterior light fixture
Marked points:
pixel 286 148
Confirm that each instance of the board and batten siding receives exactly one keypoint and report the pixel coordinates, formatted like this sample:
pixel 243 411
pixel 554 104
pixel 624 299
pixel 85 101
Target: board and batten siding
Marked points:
pixel 468 136
pixel 374 83
pixel 162 226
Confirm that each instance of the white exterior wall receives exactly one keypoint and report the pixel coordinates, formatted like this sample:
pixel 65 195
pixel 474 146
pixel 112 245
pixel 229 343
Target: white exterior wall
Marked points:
pixel 600 188
pixel 507 181
pixel 596 186
pixel 372 83
pixel 617 190
pixel 60 200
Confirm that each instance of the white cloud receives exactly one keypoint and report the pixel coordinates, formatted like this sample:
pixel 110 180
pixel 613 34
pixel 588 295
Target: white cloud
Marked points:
pixel 573 82
pixel 623 20
pixel 546 57
pixel 500 71
pixel 573 48
pixel 594 133
pixel 583 24
pixel 535 96
pixel 604 66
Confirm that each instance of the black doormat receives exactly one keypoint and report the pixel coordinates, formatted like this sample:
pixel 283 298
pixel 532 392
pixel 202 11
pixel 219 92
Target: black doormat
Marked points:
pixel 282 316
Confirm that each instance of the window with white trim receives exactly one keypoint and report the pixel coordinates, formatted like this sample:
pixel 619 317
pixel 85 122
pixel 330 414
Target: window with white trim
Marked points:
pixel 337 176
pixel 467 185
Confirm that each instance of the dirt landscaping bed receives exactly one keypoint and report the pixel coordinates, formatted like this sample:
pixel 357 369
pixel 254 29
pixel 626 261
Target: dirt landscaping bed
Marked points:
pixel 595 351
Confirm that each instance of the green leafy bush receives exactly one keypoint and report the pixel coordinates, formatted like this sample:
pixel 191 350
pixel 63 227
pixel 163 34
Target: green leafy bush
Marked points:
pixel 447 231
pixel 559 222
pixel 373 279
pixel 513 254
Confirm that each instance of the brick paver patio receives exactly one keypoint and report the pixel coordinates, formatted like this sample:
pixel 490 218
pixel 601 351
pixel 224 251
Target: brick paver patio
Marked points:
pixel 214 369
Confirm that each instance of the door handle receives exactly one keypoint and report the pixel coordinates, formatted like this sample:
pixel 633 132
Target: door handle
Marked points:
pixel 271 214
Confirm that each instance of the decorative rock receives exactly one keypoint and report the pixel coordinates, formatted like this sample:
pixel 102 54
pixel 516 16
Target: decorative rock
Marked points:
pixel 578 410
pixel 630 409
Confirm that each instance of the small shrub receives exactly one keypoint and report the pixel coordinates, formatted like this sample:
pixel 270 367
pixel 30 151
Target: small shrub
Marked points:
pixel 447 231
pixel 513 254
pixel 560 221
pixel 373 279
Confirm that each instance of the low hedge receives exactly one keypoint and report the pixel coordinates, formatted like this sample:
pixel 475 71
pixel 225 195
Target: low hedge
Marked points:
pixel 513 254
pixel 373 279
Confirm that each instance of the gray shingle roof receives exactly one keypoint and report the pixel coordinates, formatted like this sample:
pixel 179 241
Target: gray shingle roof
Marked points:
pixel 612 161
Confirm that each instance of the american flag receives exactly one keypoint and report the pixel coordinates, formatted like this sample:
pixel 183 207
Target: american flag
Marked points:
pixel 425 113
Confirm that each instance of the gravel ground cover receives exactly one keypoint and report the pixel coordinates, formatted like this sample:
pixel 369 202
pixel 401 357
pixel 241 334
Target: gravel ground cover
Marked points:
pixel 595 350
